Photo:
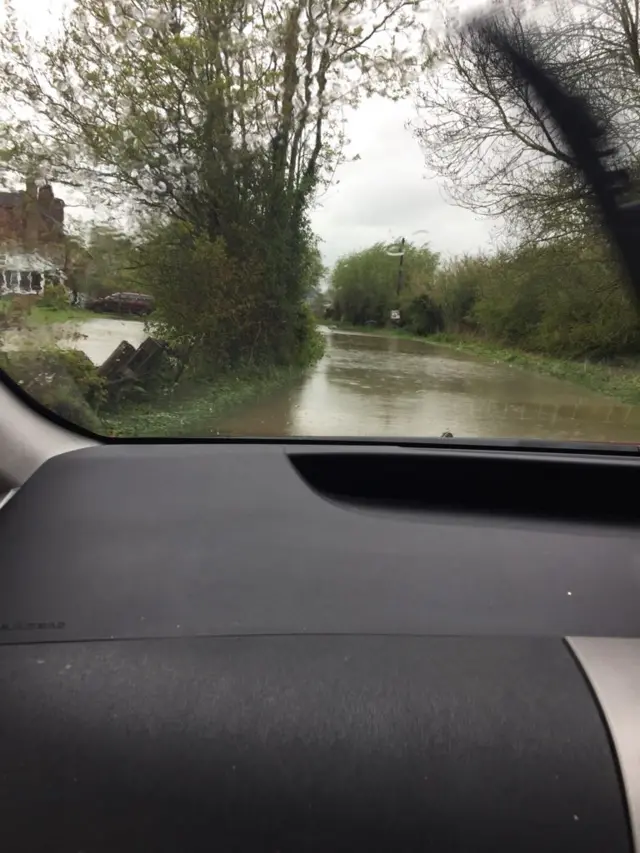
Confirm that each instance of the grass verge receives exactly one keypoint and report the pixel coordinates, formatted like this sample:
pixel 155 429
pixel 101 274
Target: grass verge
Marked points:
pixel 195 408
pixel 377 331
pixel 619 380
pixel 40 316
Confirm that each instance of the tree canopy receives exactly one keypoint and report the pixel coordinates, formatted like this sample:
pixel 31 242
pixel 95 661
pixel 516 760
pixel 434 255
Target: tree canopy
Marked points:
pixel 219 118
pixel 160 105
pixel 561 298
pixel 485 133
pixel 366 286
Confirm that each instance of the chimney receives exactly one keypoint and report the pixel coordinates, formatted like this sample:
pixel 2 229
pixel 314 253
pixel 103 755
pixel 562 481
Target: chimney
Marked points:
pixel 31 216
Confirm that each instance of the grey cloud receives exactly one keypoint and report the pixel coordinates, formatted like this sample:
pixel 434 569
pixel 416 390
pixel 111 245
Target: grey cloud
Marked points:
pixel 387 193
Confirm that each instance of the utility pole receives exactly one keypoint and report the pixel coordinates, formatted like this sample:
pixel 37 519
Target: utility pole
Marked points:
pixel 400 269
pixel 395 312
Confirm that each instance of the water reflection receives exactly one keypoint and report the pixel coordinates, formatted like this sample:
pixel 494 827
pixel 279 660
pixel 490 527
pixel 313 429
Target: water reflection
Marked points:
pixel 370 386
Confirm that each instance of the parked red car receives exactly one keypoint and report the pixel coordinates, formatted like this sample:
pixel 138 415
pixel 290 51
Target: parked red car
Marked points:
pixel 123 303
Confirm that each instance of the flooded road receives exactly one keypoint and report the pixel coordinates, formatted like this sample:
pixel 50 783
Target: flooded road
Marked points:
pixel 98 338
pixel 367 385
pixel 379 386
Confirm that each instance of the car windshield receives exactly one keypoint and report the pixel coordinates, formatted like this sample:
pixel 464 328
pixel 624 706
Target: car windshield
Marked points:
pixel 315 218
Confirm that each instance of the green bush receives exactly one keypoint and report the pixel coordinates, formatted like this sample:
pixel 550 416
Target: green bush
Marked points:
pixel 219 310
pixel 54 296
pixel 65 381
pixel 15 310
pixel 309 342
pixel 456 292
pixel 364 285
pixel 7 320
pixel 422 316
pixel 563 299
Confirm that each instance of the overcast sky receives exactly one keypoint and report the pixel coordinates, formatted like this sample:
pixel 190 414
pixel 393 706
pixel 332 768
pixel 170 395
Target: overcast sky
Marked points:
pixel 386 194
pixel 389 193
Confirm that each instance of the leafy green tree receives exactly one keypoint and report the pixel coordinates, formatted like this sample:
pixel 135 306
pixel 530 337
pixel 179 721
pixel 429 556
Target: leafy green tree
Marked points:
pixel 423 315
pixel 210 305
pixel 492 142
pixel 509 303
pixel 74 265
pixel 556 290
pixel 456 291
pixel 110 262
pixel 365 285
pixel 562 298
pixel 220 115
pixel 314 272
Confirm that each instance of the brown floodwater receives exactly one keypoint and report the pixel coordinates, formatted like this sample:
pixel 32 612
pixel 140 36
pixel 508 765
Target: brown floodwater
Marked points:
pixel 98 338
pixel 380 386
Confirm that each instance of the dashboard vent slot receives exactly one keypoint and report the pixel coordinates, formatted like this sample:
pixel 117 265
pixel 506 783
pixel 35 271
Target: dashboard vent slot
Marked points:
pixel 570 488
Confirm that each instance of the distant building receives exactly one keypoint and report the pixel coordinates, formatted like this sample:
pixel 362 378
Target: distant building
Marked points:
pixel 31 239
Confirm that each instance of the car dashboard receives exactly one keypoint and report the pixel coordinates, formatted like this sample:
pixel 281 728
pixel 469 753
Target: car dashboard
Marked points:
pixel 306 646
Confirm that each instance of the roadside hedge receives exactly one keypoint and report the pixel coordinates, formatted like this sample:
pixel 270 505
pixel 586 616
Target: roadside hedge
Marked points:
pixel 65 381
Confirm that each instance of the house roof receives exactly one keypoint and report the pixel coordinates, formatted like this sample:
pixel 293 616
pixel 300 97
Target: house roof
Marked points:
pixel 26 262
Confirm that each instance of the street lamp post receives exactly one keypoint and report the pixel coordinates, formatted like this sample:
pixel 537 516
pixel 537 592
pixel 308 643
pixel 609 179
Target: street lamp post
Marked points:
pixel 395 314
pixel 400 268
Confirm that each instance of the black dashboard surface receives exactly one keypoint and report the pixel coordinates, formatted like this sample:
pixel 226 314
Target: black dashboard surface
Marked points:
pixel 304 744
pixel 147 541
pixel 262 647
